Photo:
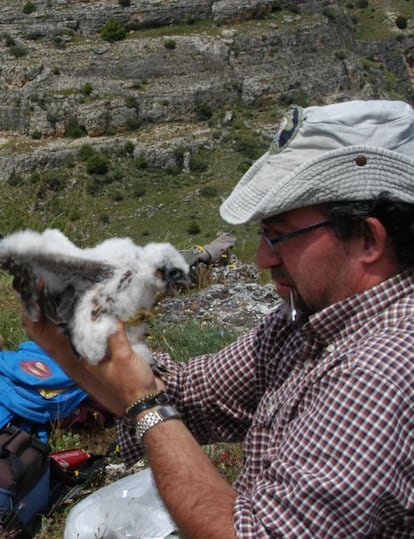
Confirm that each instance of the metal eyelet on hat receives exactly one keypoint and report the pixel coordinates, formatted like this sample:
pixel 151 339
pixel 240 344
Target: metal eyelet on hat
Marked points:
pixel 361 160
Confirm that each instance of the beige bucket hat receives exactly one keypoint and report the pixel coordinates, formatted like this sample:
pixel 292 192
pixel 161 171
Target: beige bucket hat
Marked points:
pixel 345 151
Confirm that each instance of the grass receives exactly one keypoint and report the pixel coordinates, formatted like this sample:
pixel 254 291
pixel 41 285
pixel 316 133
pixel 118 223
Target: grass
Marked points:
pixel 184 342
pixel 376 22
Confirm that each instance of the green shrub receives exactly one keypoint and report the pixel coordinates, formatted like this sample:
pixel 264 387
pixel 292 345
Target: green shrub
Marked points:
pixel 113 30
pixel 116 176
pixel 179 152
pixel 35 36
pixel 401 22
pixel 134 124
pixel 209 192
pixel 193 228
pixel 293 8
pixel 73 129
pixel 190 19
pixel 87 89
pixel 18 51
pixel 53 180
pixel 85 151
pixel 52 117
pixel 74 214
pixel 117 195
pixel 15 180
pixel 261 11
pixel 139 84
pixel 361 4
pixel 28 8
pixel 9 41
pixel 97 164
pixel 249 146
pixel 124 3
pixel 35 177
pixel 104 218
pixel 203 111
pixel 140 162
pixel 170 44
pixel 330 13
pixel 340 55
pixel 58 42
pixel 198 163
pixel 129 147
pixel 93 186
pixel 36 134
pixel 131 102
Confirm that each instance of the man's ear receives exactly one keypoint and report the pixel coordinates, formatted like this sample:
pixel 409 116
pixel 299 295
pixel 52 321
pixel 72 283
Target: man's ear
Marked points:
pixel 375 239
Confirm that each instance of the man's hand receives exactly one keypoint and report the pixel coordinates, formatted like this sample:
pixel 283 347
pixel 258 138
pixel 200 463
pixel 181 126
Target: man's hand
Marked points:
pixel 116 382
pixel 124 372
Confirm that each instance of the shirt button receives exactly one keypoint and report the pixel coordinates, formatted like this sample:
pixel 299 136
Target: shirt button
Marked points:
pixel 307 363
pixel 330 348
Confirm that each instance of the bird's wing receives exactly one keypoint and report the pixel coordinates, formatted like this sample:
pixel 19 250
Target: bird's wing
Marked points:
pixel 65 278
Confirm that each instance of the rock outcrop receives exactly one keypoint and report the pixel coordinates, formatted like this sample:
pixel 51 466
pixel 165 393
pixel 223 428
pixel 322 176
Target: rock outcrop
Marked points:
pixel 59 74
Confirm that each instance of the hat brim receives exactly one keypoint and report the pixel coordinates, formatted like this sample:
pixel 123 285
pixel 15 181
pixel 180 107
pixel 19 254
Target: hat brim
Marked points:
pixel 351 173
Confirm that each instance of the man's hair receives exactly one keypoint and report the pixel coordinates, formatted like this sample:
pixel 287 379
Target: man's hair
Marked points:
pixel 397 217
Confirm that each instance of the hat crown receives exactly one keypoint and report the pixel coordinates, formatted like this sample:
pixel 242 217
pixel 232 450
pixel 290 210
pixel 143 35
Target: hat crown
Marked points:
pixel 310 140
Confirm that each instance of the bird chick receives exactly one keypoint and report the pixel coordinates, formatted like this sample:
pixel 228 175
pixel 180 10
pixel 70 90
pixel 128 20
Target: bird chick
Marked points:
pixel 86 291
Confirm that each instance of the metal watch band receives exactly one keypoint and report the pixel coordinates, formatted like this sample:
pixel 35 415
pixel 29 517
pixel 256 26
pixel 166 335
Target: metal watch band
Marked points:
pixel 153 418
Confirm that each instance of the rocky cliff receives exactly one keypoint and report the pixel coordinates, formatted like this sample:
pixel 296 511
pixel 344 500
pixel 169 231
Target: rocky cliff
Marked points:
pixel 177 60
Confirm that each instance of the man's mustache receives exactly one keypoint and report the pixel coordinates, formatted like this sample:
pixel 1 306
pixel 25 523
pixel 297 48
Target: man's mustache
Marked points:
pixel 279 275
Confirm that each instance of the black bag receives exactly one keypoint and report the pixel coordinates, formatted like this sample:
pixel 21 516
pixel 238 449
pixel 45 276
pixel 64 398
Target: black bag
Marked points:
pixel 24 482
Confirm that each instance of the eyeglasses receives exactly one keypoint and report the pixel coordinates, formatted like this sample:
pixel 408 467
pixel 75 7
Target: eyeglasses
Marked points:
pixel 273 242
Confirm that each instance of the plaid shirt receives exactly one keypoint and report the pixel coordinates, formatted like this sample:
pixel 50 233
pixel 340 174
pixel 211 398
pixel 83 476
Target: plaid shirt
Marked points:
pixel 326 412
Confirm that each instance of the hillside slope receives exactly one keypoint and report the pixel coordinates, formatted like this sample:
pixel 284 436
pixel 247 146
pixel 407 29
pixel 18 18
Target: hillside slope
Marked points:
pixel 171 95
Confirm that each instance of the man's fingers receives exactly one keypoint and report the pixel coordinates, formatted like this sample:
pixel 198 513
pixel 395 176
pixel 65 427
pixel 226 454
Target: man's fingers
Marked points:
pixel 118 341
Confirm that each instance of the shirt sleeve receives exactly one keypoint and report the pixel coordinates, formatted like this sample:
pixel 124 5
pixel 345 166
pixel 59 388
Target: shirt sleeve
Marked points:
pixel 341 465
pixel 216 395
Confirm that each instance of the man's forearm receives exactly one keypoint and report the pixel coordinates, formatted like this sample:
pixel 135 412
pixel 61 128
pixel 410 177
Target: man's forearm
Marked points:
pixel 197 497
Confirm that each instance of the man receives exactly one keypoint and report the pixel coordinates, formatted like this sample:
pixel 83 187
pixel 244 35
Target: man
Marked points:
pixel 322 392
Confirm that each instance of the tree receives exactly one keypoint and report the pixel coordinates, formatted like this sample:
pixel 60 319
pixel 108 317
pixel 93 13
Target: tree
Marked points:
pixel 113 30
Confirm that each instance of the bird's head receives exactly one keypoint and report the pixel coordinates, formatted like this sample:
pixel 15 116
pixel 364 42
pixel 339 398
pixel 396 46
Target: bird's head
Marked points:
pixel 170 267
pixel 175 278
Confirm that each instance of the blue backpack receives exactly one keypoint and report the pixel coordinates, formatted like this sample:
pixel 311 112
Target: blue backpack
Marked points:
pixel 34 390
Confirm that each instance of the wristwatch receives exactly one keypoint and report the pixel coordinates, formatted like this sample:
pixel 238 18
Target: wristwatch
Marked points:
pixel 153 418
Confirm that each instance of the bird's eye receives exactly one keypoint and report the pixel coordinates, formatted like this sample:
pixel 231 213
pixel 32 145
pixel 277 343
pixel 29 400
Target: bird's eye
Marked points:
pixel 173 274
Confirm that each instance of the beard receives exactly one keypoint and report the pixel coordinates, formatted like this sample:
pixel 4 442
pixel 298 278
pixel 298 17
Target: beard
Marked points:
pixel 297 310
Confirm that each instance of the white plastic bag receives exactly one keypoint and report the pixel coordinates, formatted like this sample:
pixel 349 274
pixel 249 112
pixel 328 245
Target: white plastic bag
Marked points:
pixel 130 507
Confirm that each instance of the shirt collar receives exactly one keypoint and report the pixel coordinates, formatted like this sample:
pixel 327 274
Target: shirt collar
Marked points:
pixel 343 318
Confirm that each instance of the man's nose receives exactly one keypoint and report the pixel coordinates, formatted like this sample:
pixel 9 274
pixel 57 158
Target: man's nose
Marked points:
pixel 266 256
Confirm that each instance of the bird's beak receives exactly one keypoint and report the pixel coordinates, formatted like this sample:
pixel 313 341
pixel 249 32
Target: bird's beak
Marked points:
pixel 175 278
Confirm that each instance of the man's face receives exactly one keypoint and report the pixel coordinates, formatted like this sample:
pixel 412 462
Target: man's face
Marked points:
pixel 314 265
